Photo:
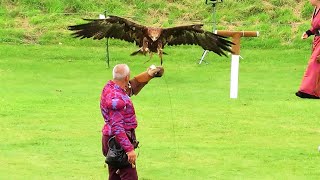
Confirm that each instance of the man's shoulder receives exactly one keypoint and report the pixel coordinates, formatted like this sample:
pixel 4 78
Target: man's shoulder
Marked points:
pixel 109 92
pixel 113 99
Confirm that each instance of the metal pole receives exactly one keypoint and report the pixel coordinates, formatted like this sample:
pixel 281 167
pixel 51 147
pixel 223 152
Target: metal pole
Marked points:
pixel 213 30
pixel 107 43
pixel 107 49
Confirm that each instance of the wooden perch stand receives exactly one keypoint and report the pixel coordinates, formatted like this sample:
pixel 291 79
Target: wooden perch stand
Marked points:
pixel 236 36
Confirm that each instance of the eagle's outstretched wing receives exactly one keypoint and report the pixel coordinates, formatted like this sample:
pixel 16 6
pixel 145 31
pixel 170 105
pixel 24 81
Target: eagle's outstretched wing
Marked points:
pixel 194 35
pixel 110 27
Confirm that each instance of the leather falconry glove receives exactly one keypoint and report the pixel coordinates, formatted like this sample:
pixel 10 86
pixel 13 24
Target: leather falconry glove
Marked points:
pixel 139 81
pixel 152 71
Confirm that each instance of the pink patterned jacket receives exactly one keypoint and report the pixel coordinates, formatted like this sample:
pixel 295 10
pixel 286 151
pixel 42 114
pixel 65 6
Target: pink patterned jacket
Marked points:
pixel 118 113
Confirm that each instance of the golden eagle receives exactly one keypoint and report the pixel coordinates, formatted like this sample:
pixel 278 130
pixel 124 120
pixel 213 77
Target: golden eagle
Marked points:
pixel 151 39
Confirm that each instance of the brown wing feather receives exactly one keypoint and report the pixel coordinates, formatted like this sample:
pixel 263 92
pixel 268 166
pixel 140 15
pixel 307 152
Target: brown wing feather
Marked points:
pixel 111 27
pixel 194 35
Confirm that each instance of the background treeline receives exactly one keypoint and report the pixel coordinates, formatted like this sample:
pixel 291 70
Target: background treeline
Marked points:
pixel 280 22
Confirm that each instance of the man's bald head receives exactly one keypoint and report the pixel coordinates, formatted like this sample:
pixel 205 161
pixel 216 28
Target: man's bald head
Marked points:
pixel 120 72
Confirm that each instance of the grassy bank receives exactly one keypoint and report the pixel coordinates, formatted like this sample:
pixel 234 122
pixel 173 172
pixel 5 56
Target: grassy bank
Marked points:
pixel 280 23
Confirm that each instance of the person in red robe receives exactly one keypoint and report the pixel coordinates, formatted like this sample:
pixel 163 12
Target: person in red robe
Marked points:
pixel 310 86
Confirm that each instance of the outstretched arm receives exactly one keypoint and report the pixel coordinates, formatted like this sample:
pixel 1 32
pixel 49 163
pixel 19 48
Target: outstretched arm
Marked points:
pixel 139 81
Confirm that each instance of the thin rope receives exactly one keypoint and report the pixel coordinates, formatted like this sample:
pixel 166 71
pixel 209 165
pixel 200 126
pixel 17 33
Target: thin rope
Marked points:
pixel 171 113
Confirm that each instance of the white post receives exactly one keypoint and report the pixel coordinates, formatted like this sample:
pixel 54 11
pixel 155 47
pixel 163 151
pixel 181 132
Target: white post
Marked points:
pixel 234 77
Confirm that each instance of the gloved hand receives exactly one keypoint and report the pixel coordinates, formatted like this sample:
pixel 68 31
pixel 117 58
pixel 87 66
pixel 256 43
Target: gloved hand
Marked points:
pixel 139 81
pixel 152 71
pixel 155 71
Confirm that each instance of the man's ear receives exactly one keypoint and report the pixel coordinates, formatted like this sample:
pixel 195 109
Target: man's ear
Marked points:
pixel 127 78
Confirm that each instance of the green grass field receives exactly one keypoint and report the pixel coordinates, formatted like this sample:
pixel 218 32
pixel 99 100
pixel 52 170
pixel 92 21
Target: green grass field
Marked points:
pixel 189 128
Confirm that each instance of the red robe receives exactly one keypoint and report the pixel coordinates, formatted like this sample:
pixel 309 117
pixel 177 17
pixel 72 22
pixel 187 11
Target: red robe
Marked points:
pixel 311 79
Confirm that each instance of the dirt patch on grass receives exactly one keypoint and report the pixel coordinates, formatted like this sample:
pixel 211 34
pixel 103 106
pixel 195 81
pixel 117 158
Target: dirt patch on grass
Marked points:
pixel 298 9
pixel 156 18
pixel 31 34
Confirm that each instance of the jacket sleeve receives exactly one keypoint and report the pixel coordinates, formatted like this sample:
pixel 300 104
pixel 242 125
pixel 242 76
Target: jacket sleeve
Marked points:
pixel 315 25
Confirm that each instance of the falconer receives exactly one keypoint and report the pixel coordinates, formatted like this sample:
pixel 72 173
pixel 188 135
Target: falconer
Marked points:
pixel 119 115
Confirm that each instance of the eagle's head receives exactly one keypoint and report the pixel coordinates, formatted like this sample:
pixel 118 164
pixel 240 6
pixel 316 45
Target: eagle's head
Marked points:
pixel 154 33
